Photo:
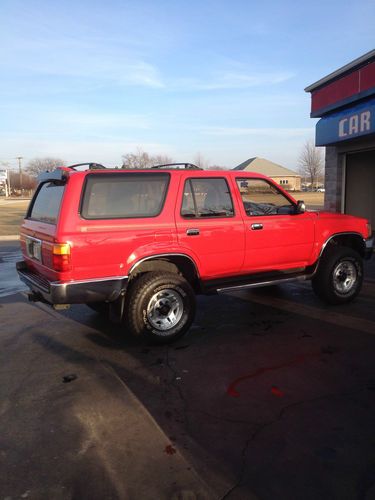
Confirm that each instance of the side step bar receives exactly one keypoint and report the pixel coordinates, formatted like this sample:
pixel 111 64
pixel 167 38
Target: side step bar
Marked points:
pixel 258 284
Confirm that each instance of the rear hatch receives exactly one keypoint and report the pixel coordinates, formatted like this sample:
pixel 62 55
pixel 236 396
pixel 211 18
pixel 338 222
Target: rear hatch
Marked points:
pixel 40 226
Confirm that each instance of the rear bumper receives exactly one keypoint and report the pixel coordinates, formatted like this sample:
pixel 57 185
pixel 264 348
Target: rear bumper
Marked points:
pixel 72 292
pixel 369 246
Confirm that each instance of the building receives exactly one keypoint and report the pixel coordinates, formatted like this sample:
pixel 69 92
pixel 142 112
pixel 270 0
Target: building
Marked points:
pixel 288 179
pixel 345 103
pixel 4 182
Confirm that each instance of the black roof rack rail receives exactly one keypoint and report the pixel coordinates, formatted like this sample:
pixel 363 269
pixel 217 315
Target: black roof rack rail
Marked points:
pixel 92 166
pixel 187 166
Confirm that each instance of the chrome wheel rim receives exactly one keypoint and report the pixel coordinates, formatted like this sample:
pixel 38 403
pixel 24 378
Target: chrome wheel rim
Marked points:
pixel 345 276
pixel 165 309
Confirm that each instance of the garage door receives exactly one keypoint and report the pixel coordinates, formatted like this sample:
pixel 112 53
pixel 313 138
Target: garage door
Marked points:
pixel 360 185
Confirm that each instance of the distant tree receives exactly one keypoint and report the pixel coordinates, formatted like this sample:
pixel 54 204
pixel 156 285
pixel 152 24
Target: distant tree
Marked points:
pixel 311 163
pixel 142 159
pixel 162 159
pixel 200 161
pixel 216 167
pixel 28 181
pixel 38 165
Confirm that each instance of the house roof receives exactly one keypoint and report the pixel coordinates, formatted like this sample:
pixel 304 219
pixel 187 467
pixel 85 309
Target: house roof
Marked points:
pixel 265 167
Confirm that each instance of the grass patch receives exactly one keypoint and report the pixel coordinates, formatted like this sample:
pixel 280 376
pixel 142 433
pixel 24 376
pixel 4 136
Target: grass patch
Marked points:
pixel 310 199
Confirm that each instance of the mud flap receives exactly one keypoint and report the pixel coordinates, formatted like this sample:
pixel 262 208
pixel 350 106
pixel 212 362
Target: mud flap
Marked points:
pixel 116 309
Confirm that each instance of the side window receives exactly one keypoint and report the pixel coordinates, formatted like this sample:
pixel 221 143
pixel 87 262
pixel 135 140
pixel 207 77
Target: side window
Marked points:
pixel 124 195
pixel 206 198
pixel 259 197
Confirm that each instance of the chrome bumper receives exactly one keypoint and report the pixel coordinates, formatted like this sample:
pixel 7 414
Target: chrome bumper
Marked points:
pixel 72 292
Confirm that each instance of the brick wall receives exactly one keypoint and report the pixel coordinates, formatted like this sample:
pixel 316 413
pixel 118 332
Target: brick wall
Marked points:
pixel 333 179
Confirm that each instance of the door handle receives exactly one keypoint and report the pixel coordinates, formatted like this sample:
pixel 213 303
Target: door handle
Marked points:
pixel 256 227
pixel 192 232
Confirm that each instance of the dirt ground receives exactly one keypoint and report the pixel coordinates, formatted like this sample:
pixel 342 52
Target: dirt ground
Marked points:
pixel 312 200
pixel 12 212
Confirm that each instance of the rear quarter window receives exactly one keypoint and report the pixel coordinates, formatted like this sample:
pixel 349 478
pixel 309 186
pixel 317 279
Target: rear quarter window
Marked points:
pixel 46 204
pixel 119 196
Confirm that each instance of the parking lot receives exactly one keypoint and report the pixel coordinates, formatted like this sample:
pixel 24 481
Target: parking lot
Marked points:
pixel 270 395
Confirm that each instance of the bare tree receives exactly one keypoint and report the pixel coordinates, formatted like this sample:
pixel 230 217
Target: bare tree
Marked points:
pixel 28 182
pixel 162 159
pixel 38 165
pixel 311 163
pixel 216 167
pixel 142 159
pixel 200 161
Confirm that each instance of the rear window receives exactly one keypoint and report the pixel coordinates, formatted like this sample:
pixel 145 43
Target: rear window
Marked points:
pixel 46 204
pixel 121 196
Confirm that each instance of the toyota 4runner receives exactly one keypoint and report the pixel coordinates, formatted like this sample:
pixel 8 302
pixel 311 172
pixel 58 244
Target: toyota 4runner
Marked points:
pixel 140 244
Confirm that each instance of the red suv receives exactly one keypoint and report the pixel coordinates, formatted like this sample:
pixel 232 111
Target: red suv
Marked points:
pixel 141 244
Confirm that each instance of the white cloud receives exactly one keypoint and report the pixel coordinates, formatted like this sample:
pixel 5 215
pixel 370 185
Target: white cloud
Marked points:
pixel 231 80
pixel 89 121
pixel 269 132
pixel 88 59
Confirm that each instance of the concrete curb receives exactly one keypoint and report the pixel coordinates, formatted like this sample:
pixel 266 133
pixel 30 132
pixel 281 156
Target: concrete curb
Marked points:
pixel 10 237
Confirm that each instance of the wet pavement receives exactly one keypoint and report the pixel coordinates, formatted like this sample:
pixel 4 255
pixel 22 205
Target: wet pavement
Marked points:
pixel 271 394
pixel 9 255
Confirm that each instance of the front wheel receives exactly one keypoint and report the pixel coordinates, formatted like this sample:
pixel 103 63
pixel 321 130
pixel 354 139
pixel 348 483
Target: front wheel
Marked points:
pixel 339 276
pixel 161 306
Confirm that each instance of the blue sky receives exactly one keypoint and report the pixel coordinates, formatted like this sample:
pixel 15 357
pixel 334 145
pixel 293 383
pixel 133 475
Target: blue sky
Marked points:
pixel 91 81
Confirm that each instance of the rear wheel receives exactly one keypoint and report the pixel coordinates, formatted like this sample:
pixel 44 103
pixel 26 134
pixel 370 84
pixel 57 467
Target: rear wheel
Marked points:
pixel 339 276
pixel 161 306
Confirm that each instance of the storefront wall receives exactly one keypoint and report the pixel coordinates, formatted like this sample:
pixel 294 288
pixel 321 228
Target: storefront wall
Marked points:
pixel 345 103
pixel 350 178
pixel 360 185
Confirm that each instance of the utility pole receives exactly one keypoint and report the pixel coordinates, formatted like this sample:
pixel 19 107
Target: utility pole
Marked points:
pixel 19 158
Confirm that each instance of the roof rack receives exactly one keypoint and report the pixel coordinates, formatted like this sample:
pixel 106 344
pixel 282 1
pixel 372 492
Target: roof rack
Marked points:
pixel 92 166
pixel 186 166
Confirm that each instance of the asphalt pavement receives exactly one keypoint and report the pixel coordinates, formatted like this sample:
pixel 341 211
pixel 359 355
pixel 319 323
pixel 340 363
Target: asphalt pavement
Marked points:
pixel 9 255
pixel 271 394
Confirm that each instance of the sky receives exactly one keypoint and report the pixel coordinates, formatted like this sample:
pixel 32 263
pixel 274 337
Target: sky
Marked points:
pixel 91 81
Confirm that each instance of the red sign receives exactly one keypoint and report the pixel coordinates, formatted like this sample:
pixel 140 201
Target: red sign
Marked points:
pixel 347 89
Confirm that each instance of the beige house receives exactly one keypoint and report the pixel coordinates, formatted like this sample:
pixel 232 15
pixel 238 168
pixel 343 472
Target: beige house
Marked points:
pixel 287 179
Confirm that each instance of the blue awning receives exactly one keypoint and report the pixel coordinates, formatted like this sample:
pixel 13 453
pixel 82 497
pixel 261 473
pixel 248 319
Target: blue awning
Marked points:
pixel 348 124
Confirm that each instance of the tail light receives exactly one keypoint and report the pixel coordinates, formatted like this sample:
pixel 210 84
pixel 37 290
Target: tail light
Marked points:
pixel 369 230
pixel 61 257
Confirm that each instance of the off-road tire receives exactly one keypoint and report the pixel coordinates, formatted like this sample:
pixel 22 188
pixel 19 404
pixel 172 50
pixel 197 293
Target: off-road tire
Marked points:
pixel 339 277
pixel 160 306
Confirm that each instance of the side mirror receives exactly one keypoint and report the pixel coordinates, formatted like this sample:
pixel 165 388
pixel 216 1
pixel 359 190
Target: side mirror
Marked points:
pixel 301 207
